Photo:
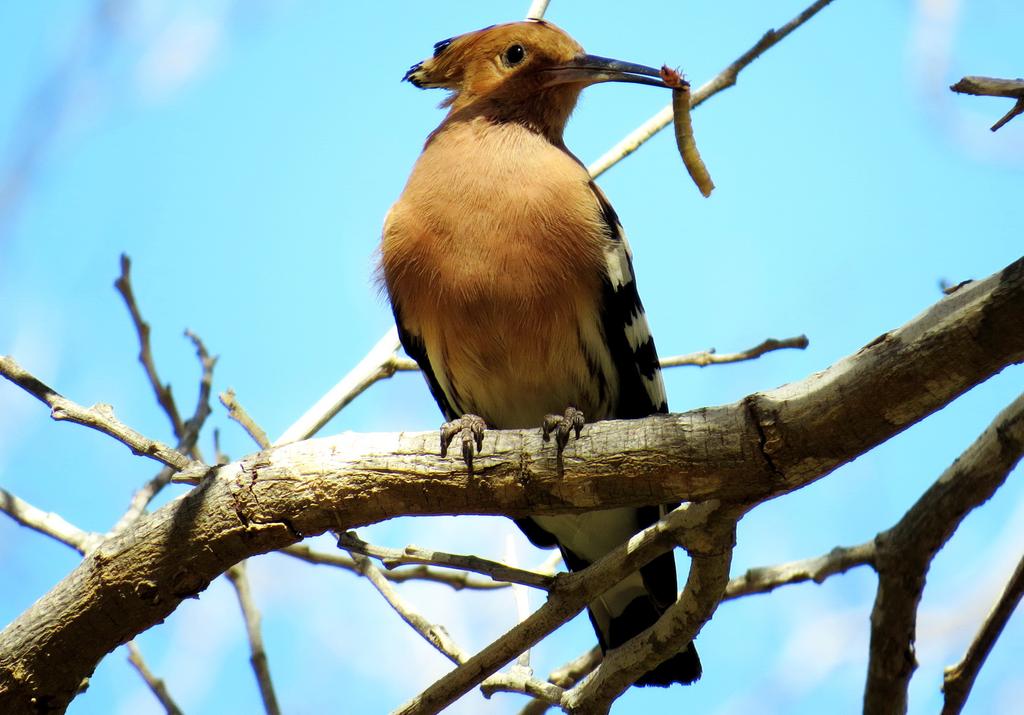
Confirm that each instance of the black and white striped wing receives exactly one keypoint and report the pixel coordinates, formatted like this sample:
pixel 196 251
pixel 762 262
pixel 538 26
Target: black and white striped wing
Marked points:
pixel 629 340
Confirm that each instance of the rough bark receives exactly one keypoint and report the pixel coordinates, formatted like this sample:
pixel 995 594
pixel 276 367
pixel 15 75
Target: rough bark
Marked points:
pixel 758 448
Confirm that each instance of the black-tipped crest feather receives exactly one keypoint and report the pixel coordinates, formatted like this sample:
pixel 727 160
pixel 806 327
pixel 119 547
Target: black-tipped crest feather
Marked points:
pixel 439 47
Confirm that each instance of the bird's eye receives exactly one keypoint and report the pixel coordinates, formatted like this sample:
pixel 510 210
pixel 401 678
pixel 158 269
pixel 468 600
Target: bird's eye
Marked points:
pixel 514 55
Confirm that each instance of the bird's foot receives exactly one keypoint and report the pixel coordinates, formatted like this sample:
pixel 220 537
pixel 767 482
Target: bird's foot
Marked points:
pixel 471 428
pixel 563 426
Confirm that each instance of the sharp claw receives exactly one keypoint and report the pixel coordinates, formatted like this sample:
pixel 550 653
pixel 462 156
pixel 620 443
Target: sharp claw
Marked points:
pixel 471 430
pixel 467 448
pixel 448 432
pixel 476 431
pixel 563 427
pixel 578 420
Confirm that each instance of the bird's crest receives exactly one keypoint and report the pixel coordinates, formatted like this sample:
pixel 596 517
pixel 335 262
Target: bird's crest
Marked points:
pixel 478 62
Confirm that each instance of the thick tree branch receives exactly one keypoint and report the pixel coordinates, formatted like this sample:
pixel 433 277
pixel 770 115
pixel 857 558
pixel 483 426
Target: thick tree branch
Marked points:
pixel 758 448
pixel 904 553
pixel 958 679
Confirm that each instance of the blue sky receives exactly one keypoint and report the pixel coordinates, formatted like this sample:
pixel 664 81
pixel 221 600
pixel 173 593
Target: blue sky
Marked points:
pixel 244 155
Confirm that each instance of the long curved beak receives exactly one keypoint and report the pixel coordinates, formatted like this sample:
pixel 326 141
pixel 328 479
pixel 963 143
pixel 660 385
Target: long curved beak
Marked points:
pixel 591 69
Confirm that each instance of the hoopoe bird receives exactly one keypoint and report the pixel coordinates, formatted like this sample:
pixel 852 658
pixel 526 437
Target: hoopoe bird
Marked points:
pixel 512 286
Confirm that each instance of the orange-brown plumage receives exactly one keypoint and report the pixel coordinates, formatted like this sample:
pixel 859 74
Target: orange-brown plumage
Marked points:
pixel 512 284
pixel 497 228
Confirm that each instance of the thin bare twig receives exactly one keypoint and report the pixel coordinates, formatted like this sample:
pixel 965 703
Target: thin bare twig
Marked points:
pixel 164 395
pixel 700 359
pixel 723 80
pixel 537 9
pixel 993 87
pixel 520 678
pixel 573 671
pixel 239 415
pixel 435 635
pixel 99 417
pixel 144 496
pixel 194 424
pixel 187 433
pixel 457 580
pixel 710 357
pixel 402 364
pixel 48 523
pixel 550 564
pixel 521 597
pixel 1016 110
pixel 219 455
pixel 566 676
pixel 415 555
pixel 518 681
pixel 958 679
pixel 155 684
pixel 767 578
pixel 949 288
pixel 378 364
pixel 258 658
